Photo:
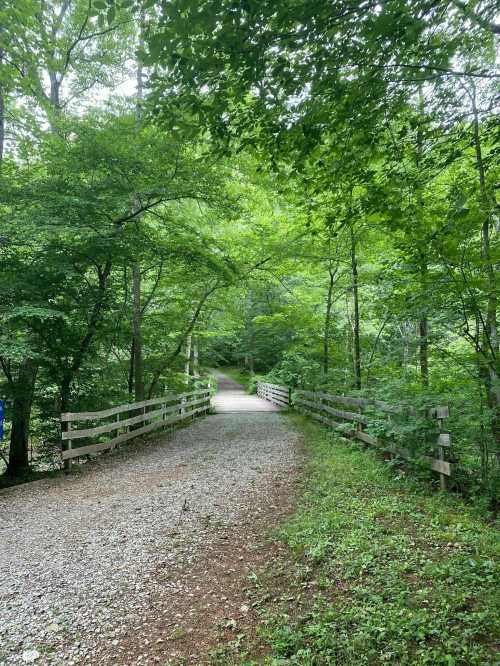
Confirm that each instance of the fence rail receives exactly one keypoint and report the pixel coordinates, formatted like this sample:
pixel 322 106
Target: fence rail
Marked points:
pixel 275 393
pixel 148 415
pixel 335 411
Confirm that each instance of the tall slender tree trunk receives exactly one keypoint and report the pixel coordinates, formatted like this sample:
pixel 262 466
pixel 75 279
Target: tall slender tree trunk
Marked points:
pixel 423 324
pixel 355 294
pixel 187 364
pixel 424 351
pixel 2 114
pixel 137 333
pixel 194 358
pixel 490 345
pixel 328 318
pixel 423 329
pixel 250 355
pixel 22 386
pixel 137 359
pixel 131 369
pixel 23 390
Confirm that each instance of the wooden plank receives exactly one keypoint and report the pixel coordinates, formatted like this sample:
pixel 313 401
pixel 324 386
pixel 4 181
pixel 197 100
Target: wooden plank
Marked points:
pixel 274 386
pixel 440 466
pixel 103 446
pixel 343 400
pixel 314 405
pixel 280 389
pixel 399 451
pixel 310 394
pixel 115 425
pixel 306 406
pixel 349 416
pixel 87 416
pixel 85 450
pixel 444 439
pixel 385 407
pixel 278 396
pixel 282 398
pixel 365 437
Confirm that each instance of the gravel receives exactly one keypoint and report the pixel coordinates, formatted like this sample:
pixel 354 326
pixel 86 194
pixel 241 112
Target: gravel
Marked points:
pixel 79 554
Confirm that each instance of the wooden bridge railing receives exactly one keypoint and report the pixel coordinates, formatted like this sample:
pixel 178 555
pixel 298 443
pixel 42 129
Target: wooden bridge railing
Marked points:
pixel 275 393
pixel 336 411
pixel 141 418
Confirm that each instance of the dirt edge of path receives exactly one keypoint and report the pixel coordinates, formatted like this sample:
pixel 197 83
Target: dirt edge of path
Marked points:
pixel 216 610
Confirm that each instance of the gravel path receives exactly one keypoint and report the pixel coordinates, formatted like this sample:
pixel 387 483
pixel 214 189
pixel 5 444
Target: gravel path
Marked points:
pixel 232 397
pixel 80 555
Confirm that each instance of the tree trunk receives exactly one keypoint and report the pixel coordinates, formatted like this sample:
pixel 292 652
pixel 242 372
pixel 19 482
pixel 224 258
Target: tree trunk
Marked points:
pixel 423 324
pixel 491 346
pixel 424 351
pixel 187 364
pixel 328 316
pixel 2 115
pixel 249 325
pixel 137 333
pixel 355 294
pixel 138 360
pixel 194 358
pixel 423 331
pixel 23 390
pixel 131 370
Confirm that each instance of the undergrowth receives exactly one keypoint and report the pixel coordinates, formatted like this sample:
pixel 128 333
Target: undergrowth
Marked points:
pixel 243 377
pixel 380 570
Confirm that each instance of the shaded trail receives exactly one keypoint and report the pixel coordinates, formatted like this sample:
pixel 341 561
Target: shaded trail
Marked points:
pixel 232 397
pixel 113 564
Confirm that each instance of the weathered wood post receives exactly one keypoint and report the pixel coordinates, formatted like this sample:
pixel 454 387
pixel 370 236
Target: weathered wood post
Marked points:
pixel 69 446
pixel 444 440
pixel 117 421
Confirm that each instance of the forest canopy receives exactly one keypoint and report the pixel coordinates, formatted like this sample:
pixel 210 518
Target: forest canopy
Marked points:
pixel 306 190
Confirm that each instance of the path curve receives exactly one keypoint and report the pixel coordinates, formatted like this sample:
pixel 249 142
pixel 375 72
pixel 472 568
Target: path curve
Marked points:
pixel 92 561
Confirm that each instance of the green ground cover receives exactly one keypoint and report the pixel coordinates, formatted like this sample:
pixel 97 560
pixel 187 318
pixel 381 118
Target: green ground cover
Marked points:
pixel 378 568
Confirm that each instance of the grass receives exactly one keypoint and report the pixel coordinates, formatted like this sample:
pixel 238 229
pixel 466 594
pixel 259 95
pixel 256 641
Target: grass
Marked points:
pixel 239 375
pixel 377 569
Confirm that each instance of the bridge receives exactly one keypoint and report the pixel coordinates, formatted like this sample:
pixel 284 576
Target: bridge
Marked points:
pixel 148 545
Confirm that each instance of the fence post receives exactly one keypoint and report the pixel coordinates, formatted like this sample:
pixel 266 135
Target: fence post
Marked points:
pixel 118 421
pixel 443 441
pixel 69 446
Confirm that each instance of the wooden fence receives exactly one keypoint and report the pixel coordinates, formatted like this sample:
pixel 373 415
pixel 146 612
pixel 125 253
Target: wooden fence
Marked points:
pixel 326 407
pixel 141 418
pixel 275 393
pixel 335 411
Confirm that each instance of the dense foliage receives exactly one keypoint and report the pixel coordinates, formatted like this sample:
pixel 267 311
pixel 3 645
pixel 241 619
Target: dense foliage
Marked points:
pixel 307 190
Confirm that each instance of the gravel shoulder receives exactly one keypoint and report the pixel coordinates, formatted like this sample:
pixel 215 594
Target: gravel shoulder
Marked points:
pixel 119 563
